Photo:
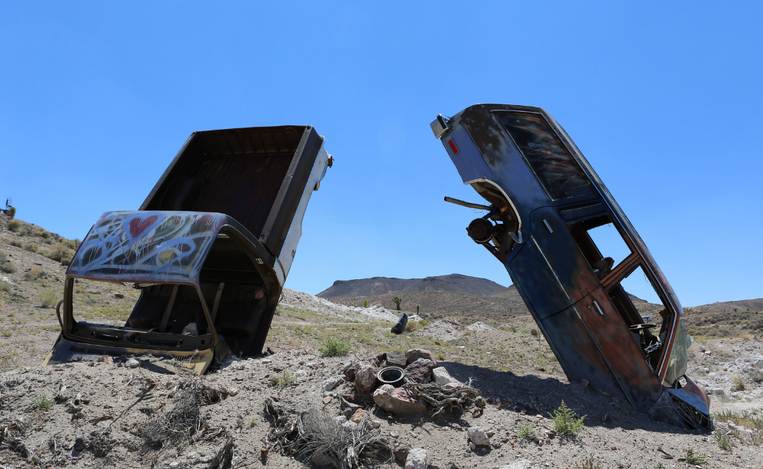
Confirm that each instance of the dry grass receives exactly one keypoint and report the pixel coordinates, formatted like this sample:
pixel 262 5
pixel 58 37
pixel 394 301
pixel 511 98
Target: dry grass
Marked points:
pixel 49 298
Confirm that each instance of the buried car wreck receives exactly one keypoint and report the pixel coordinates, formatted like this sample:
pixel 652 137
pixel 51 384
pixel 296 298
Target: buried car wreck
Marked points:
pixel 547 209
pixel 209 249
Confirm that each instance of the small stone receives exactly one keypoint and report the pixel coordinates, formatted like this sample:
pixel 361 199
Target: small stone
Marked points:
pixel 331 383
pixel 416 459
pixel 132 363
pixel 396 359
pixel 414 354
pixel 359 415
pixel 327 399
pixel 478 436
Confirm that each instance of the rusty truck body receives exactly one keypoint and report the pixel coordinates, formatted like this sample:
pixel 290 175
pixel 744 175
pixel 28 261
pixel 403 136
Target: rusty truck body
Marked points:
pixel 209 249
pixel 545 203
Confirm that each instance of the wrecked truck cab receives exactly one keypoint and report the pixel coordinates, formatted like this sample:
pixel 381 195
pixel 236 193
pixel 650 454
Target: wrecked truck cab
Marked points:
pixel 209 250
pixel 546 209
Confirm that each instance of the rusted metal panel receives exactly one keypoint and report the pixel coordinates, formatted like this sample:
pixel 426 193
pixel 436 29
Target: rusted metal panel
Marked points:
pixel 544 200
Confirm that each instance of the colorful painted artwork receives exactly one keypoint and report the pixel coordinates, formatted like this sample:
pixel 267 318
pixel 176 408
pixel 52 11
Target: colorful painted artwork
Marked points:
pixel 146 246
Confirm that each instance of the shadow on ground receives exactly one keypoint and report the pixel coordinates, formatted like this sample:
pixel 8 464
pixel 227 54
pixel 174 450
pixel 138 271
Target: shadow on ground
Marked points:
pixel 535 395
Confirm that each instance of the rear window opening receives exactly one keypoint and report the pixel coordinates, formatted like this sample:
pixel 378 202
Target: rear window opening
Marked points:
pixel 553 164
pixel 173 309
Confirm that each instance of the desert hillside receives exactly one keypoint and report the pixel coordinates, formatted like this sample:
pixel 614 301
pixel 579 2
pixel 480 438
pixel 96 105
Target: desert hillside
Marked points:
pixel 149 412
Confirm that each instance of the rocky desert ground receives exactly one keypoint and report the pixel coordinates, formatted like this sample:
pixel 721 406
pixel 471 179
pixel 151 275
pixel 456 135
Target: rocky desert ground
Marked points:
pixel 264 412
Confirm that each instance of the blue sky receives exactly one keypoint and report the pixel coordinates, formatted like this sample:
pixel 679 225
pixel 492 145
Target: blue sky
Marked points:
pixel 665 100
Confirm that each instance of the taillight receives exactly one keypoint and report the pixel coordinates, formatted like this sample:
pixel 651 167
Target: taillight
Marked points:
pixel 453 146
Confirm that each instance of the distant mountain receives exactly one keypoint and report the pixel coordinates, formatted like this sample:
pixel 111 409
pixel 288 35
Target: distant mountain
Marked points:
pixel 384 285
pixel 456 295
pixel 437 296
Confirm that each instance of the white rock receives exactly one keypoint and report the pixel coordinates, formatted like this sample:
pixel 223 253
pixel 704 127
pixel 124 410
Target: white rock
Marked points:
pixel 478 436
pixel 416 459
pixel 442 377
pixel 132 363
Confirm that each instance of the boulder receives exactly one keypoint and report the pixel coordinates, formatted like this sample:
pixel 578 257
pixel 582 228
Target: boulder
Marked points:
pixel 397 401
pixel 420 370
pixel 365 379
pixel 414 354
pixel 441 376
pixel 478 436
pixel 416 459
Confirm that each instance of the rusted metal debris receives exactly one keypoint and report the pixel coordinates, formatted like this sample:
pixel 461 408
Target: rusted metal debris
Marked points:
pixel 209 249
pixel 544 203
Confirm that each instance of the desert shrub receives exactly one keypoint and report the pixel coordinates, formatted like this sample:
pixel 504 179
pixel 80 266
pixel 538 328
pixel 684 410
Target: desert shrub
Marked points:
pixel 4 287
pixel 397 300
pixel 31 247
pixel 49 298
pixel 34 273
pixel 60 253
pixel 283 379
pixel 43 403
pixel 333 347
pixel 695 459
pixel 566 421
pixel 723 440
pixel 178 424
pixel 526 431
pixel 6 265
pixel 737 383
pixel 16 243
pixel 365 303
pixel 15 226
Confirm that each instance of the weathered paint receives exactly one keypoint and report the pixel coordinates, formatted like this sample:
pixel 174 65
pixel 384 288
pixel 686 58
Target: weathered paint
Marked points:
pixel 545 197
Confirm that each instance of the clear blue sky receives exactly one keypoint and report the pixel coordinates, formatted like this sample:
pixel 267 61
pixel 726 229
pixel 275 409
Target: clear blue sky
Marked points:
pixel 664 98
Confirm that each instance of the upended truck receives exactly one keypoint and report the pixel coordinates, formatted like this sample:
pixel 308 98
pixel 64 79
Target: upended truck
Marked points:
pixel 209 249
pixel 575 258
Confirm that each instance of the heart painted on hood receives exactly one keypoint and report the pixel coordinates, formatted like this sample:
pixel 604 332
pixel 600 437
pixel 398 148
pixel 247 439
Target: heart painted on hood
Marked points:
pixel 139 225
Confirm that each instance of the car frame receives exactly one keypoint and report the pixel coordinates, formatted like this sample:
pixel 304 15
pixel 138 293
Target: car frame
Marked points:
pixel 544 201
pixel 209 249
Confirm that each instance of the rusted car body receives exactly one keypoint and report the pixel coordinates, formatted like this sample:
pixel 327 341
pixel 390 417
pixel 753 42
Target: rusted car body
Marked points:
pixel 544 201
pixel 209 249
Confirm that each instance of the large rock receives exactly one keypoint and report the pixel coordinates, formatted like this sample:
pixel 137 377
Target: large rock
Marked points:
pixel 420 371
pixel 478 436
pixel 414 354
pixel 365 379
pixel 441 376
pixel 416 459
pixel 397 401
